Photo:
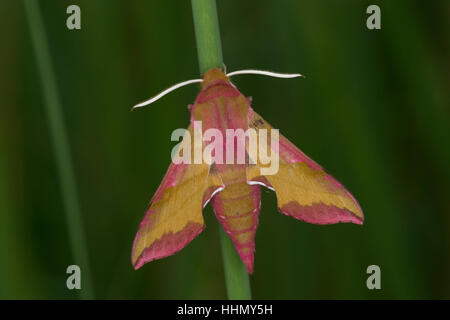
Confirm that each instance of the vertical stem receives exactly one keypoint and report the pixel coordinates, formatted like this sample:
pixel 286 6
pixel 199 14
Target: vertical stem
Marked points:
pixel 60 143
pixel 207 33
pixel 236 276
pixel 210 56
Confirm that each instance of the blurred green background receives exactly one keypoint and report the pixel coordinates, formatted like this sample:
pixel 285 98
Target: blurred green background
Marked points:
pixel 373 110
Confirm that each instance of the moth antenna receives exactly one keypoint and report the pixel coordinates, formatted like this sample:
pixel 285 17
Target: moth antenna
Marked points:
pixel 168 90
pixel 266 73
pixel 224 68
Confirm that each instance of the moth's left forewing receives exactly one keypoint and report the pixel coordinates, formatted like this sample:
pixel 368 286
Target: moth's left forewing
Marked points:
pixel 174 217
pixel 304 190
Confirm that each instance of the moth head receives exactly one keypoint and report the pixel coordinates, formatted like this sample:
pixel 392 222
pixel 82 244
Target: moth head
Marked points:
pixel 213 76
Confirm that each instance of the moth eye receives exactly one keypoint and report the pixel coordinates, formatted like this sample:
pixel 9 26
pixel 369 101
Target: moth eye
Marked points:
pixel 189 106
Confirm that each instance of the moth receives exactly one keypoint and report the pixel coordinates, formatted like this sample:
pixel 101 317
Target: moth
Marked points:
pixel 303 189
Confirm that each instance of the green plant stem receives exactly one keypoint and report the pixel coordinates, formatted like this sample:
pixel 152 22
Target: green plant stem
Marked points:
pixel 60 144
pixel 236 276
pixel 209 50
pixel 207 33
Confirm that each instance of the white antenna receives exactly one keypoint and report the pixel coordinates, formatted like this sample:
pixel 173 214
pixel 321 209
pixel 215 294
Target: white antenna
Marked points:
pixel 163 93
pixel 185 83
pixel 265 73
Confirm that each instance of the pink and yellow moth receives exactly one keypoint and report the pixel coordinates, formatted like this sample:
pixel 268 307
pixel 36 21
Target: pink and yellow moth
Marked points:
pixel 303 189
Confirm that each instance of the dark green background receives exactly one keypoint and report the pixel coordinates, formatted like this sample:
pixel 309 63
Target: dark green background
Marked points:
pixel 373 110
